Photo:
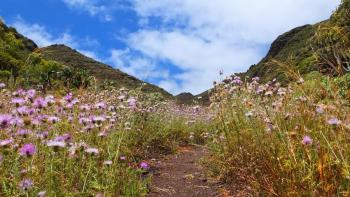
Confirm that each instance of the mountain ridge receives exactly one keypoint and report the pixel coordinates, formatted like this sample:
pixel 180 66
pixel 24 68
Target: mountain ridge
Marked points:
pixel 103 72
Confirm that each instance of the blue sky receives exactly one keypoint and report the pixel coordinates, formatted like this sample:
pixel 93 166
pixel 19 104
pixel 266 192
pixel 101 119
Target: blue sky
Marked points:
pixel 180 45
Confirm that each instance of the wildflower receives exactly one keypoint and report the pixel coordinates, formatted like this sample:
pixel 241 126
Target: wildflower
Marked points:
pixel 40 103
pixel 41 193
pixel 249 114
pixel 307 140
pixel 84 121
pixel 84 107
pixel 56 144
pixel 53 119
pixel 2 85
pixel 268 93
pixel 50 99
pixel 23 110
pixel 93 151
pixel 98 119
pixel 31 93
pixel 100 105
pixel 107 162
pixel 18 101
pixel 5 120
pixel 121 98
pixel 123 158
pixel 132 102
pixel 68 97
pixel 27 150
pixel 144 165
pixel 320 109
pixel 63 138
pixel 333 121
pixel 5 143
pixel 26 184
pixel 23 132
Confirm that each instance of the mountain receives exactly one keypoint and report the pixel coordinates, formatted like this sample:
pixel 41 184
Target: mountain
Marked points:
pixel 102 72
pixel 23 63
pixel 322 47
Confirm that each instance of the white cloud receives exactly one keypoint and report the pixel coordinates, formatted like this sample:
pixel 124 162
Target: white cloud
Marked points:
pixel 93 7
pixel 139 66
pixel 203 36
pixel 43 38
pixel 40 35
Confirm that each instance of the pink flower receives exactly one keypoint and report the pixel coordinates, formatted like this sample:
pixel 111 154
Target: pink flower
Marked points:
pixel 333 121
pixel 40 103
pixel 26 184
pixel 56 144
pixel 5 143
pixel 307 140
pixel 100 105
pixel 18 101
pixel 144 165
pixel 53 119
pixel 27 150
pixel 132 102
pixel 93 151
pixel 5 120
pixel 31 93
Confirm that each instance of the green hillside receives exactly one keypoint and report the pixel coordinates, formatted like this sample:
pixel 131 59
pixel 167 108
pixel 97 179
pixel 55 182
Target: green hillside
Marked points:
pixel 102 72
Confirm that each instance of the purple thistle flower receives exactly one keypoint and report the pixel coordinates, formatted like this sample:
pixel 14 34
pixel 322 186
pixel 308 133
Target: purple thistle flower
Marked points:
pixel 24 132
pixel 307 140
pixel 100 105
pixel 68 97
pixel 93 151
pixel 50 99
pixel 84 107
pixel 63 138
pixel 132 102
pixel 40 103
pixel 31 93
pixel 18 101
pixel 84 120
pixel 98 119
pixel 27 150
pixel 56 144
pixel 144 165
pixel 53 119
pixel 5 121
pixel 26 184
pixel 5 143
pixel 333 121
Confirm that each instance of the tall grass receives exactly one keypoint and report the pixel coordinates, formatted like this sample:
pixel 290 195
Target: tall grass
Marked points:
pixel 284 141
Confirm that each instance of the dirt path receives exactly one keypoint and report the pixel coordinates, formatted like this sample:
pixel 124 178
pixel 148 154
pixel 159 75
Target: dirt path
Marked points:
pixel 181 175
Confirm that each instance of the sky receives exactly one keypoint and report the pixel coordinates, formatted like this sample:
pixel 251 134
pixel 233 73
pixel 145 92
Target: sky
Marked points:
pixel 179 45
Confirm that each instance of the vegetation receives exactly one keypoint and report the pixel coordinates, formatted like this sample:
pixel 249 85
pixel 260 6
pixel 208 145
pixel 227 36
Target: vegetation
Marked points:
pixel 86 143
pixel 284 141
pixel 102 72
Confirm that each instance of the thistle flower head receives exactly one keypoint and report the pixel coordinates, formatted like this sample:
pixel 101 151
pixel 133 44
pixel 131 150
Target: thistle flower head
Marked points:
pixel 307 140
pixel 26 184
pixel 27 150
